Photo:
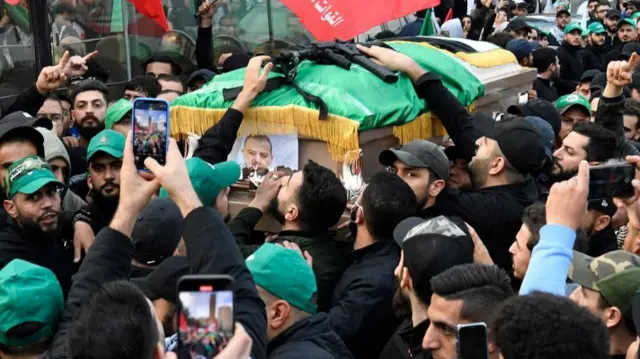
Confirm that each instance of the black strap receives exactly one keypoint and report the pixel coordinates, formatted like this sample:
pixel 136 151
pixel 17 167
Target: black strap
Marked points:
pixel 275 83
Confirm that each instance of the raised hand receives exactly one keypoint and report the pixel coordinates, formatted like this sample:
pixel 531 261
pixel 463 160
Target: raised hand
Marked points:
pixel 567 202
pixel 267 191
pixel 77 65
pixel 206 11
pixel 254 81
pixel 619 73
pixel 52 77
pixel 393 60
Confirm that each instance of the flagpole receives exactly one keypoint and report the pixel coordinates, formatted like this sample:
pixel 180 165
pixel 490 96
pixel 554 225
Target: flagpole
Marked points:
pixel 125 28
pixel 270 24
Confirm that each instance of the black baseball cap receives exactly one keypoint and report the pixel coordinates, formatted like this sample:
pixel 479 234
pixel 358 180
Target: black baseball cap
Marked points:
pixel 628 49
pixel 418 154
pixel 162 282
pixel 203 74
pixel 157 231
pixel 517 24
pixel 21 124
pixel 605 206
pixel 431 247
pixel 613 13
pixel 589 75
pixel 539 108
pixel 522 145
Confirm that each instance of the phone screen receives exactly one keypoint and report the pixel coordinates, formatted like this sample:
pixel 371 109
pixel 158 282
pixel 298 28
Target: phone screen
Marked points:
pixel 205 320
pixel 150 130
pixel 472 341
pixel 608 181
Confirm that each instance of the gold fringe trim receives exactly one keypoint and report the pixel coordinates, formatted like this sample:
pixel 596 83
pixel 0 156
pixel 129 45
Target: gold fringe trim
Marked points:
pixel 492 58
pixel 340 133
pixel 487 59
pixel 424 126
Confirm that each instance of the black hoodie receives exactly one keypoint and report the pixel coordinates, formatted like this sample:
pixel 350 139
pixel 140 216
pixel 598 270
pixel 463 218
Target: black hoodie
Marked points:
pixel 594 58
pixel 310 338
pixel 49 252
pixel 570 68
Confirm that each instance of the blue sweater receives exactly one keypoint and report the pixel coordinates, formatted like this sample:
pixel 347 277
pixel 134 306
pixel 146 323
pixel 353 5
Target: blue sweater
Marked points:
pixel 550 261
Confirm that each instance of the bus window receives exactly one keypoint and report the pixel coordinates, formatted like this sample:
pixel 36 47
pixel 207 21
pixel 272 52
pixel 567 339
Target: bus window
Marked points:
pixel 17 64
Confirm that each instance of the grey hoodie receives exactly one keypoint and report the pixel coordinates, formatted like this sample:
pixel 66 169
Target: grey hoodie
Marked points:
pixel 54 148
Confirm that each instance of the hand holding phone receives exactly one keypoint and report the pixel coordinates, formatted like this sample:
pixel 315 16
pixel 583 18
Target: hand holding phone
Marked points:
pixel 205 315
pixel 472 341
pixel 150 131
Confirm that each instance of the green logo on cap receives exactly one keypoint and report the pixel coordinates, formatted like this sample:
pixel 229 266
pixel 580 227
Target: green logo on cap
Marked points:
pixel 27 176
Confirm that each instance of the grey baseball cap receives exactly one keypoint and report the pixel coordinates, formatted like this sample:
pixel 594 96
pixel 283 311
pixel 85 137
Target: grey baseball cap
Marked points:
pixel 418 154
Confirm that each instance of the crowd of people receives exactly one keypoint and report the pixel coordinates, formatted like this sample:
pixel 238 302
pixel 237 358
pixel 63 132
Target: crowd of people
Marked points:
pixel 499 227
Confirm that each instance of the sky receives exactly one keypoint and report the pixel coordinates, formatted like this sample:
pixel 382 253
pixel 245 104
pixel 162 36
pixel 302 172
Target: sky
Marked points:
pixel 198 302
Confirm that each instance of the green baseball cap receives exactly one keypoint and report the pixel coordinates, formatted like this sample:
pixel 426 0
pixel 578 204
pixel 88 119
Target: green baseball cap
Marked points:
pixel 616 275
pixel 28 175
pixel 116 112
pixel 284 273
pixel 28 293
pixel 564 5
pixel 567 101
pixel 628 21
pixel 596 28
pixel 208 180
pixel 107 141
pixel 572 27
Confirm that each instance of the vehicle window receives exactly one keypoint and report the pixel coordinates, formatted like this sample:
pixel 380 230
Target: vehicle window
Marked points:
pixel 17 64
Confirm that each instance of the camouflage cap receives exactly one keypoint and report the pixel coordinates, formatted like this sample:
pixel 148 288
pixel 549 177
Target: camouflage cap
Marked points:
pixel 616 275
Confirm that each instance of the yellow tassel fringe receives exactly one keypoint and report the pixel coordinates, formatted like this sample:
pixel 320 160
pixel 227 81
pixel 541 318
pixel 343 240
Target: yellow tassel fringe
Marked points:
pixel 340 133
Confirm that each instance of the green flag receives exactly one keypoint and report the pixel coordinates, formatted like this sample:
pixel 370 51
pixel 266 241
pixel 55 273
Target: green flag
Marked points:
pixel 117 24
pixel 427 24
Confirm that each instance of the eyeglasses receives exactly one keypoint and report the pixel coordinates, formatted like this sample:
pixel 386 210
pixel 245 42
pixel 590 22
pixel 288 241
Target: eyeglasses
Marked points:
pixel 55 117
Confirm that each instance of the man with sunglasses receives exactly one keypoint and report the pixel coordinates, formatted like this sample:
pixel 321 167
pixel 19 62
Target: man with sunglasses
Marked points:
pixel 34 226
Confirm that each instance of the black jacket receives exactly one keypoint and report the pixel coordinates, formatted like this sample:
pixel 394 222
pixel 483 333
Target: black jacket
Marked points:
pixel 545 90
pixel 614 53
pixel 327 261
pixel 216 144
pixel 210 250
pixel 602 242
pixel 311 338
pixel 570 69
pixel 610 116
pixel 361 307
pixel 406 342
pixel 594 58
pixel 494 212
pixel 29 101
pixel 204 49
pixel 52 253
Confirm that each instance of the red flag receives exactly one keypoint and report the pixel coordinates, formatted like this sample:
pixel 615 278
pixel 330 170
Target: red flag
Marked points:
pixel 152 9
pixel 449 15
pixel 328 20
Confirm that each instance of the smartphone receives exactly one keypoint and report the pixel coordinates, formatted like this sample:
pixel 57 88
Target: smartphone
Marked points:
pixel 613 180
pixel 472 341
pixel 205 315
pixel 150 130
